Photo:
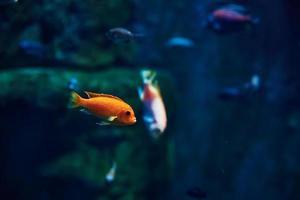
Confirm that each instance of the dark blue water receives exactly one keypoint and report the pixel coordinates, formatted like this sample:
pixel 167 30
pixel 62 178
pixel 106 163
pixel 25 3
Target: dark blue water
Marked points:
pixel 230 89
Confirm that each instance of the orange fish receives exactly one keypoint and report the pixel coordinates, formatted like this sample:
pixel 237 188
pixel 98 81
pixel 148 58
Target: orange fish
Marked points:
pixel 111 109
pixel 155 115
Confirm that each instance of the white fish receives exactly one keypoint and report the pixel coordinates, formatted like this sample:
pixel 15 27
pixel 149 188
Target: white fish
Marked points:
pixel 155 116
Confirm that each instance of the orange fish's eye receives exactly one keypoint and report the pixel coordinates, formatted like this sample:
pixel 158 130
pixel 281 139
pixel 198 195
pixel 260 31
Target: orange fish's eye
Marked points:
pixel 128 113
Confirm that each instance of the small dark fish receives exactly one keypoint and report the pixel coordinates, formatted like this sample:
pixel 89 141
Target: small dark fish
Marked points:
pixel 230 18
pixel 121 35
pixel 196 193
pixel 33 48
pixel 231 93
pixel 242 92
pixel 5 2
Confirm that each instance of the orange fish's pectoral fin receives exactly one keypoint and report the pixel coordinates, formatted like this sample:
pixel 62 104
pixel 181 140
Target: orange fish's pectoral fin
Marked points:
pixel 108 121
pixel 103 123
pixel 112 118
pixel 92 95
pixel 141 93
pixel 74 100
pixel 85 111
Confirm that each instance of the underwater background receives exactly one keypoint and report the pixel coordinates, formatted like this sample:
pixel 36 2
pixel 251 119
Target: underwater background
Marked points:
pixel 231 92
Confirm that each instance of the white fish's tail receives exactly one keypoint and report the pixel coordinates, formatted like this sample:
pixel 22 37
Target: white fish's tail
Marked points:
pixel 111 174
pixel 148 76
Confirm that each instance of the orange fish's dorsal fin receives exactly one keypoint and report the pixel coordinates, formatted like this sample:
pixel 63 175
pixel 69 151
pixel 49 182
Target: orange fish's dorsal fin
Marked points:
pixel 92 95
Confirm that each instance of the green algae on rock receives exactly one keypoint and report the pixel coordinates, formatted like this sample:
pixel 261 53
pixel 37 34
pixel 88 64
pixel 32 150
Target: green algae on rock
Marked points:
pixel 48 88
pixel 72 30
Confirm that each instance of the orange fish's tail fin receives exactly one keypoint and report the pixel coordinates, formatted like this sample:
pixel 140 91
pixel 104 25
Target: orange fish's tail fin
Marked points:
pixel 74 100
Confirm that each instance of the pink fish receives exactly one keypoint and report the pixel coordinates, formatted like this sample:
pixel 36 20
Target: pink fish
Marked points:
pixel 230 18
pixel 231 15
